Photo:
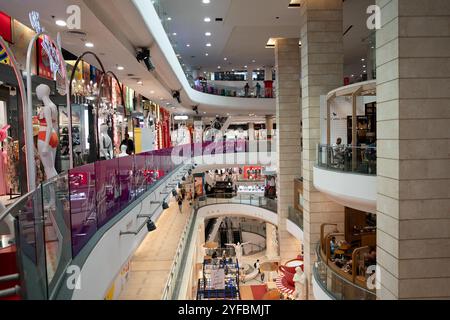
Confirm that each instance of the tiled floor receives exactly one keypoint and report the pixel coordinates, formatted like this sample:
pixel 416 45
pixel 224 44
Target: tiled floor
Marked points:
pixel 150 266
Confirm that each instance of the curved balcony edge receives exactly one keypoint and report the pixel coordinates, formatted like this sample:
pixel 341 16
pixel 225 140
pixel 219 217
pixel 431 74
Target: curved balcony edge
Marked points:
pixel 348 189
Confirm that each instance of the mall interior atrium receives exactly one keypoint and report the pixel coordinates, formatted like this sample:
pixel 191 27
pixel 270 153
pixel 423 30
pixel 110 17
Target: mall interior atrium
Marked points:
pixel 204 150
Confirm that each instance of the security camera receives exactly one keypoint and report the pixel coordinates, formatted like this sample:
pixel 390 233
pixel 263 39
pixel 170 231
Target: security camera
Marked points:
pixel 176 95
pixel 144 55
pixel 151 226
pixel 195 109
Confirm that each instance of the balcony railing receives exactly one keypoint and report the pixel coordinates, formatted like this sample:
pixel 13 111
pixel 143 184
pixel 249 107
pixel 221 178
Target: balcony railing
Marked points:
pixel 336 286
pixel 231 198
pixel 361 160
pixel 55 222
pixel 296 217
pixel 238 92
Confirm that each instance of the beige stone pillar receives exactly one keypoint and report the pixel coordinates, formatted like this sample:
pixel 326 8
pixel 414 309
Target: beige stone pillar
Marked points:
pixel 413 111
pixel 322 71
pixel 269 127
pixel 287 58
pixel 272 245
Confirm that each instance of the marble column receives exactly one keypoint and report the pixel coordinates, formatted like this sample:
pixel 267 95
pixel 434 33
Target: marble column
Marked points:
pixel 322 57
pixel 287 58
pixel 413 111
pixel 251 131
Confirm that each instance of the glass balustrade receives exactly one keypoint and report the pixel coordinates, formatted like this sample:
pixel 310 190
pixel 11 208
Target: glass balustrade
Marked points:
pixel 336 286
pixel 296 217
pixel 362 160
pixel 55 222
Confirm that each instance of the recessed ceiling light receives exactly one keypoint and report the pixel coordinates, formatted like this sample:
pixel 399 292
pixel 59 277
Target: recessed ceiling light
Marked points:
pixel 206 54
pixel 140 83
pixel 169 19
pixel 152 92
pixel 120 68
pixel 206 1
pixel 232 70
pixel 89 44
pixel 188 45
pixel 208 44
pixel 246 67
pixel 363 59
pixel 353 75
pixel 174 34
pixel 225 59
pixel 365 71
pixel 208 34
pixel 207 19
pixel 61 23
pixel 253 61
pixel 364 66
pixel 219 67
pixel 204 112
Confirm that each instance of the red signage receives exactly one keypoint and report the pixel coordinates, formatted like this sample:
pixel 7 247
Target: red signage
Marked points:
pixel 5 27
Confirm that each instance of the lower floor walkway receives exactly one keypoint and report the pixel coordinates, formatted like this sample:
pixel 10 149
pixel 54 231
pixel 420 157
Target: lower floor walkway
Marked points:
pixel 151 264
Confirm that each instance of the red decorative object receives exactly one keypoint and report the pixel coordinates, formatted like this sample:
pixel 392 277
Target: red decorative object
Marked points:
pixel 43 62
pixel 5 27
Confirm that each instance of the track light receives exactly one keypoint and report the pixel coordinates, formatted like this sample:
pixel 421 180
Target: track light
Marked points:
pixel 165 206
pixel 174 193
pixel 195 109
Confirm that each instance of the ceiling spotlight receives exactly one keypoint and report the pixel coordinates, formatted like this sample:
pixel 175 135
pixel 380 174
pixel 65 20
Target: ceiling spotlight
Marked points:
pixel 225 59
pixel 89 45
pixel 206 1
pixel 208 44
pixel 61 23
pixel 364 66
pixel 207 19
pixel 218 67
pixel 152 92
pixel 169 19
pixel 151 226
pixel 188 45
pixel 174 34
pixel 363 59
pixel 140 82
pixel 206 54
pixel 120 68
pixel 245 67
pixel 253 61
pixel 208 34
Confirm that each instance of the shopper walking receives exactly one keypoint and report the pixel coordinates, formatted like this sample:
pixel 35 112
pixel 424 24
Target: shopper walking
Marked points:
pixel 258 90
pixel 247 90
pixel 129 143
pixel 180 204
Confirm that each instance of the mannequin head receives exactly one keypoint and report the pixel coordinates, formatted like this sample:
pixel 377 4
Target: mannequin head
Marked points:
pixel 42 91
pixel 123 149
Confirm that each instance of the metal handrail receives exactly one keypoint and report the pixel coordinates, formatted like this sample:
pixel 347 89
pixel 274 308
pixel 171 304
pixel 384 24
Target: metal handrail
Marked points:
pixel 11 277
pixel 229 197
pixel 9 292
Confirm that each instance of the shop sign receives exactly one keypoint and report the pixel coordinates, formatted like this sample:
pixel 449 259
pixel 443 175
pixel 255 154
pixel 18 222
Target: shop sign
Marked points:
pixel 47 45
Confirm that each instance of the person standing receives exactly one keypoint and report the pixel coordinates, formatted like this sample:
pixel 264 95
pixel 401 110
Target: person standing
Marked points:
pixel 129 143
pixel 258 90
pixel 247 89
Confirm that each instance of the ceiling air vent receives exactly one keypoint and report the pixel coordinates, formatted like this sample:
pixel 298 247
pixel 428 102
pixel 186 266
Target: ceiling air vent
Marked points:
pixel 76 33
pixel 219 19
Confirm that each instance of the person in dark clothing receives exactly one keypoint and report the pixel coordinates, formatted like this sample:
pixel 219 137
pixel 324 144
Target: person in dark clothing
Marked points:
pixel 129 143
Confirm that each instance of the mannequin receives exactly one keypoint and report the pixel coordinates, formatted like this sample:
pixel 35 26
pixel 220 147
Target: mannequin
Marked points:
pixel 48 126
pixel 299 280
pixel 106 145
pixel 123 151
